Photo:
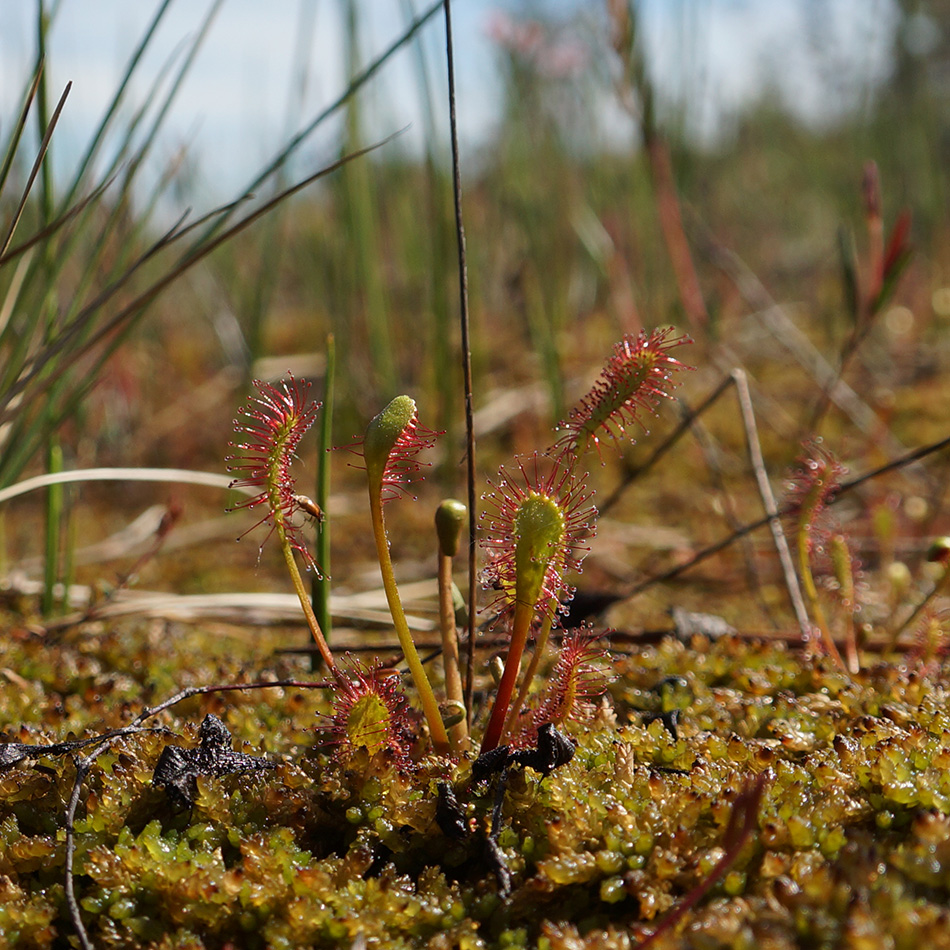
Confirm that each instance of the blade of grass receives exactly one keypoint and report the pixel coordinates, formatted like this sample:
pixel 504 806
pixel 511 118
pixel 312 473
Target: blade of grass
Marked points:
pixel 106 239
pixel 55 514
pixel 367 290
pixel 433 252
pixel 542 323
pixel 40 236
pixel 358 82
pixel 63 351
pixel 98 138
pixel 47 268
pixel 253 305
pixel 320 585
pixel 17 134
pixel 56 511
pixel 181 476
pixel 37 164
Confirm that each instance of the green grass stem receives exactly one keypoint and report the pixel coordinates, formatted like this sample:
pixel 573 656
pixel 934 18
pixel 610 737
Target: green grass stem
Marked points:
pixel 72 344
pixel 55 512
pixel 320 586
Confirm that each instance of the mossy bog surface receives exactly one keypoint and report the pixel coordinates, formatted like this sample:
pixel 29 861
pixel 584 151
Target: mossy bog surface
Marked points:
pixel 850 845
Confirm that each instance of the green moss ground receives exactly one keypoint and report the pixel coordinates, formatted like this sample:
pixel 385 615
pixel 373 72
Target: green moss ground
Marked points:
pixel 851 846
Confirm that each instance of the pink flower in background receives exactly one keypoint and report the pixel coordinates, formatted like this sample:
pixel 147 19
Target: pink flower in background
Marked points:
pixel 552 57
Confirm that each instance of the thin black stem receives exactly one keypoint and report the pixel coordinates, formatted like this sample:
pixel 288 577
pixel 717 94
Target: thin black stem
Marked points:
pixel 82 768
pixel 496 856
pixel 466 363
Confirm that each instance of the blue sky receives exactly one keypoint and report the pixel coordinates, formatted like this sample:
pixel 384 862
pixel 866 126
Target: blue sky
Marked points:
pixel 234 109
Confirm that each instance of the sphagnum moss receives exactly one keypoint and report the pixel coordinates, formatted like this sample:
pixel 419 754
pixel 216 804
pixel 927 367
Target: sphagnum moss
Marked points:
pixel 850 838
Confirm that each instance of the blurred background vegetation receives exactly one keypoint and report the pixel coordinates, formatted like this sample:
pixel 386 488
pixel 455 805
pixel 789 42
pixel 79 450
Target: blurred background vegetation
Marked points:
pixel 141 288
pixel 569 247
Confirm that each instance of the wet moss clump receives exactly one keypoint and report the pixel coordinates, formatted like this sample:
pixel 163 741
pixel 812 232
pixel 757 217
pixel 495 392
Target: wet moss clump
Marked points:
pixel 850 842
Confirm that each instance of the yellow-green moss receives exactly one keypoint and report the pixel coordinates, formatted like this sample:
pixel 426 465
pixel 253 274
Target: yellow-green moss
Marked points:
pixel 851 839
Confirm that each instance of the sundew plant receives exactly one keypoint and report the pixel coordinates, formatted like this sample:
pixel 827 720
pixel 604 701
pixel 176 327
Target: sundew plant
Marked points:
pixel 538 515
pixel 177 771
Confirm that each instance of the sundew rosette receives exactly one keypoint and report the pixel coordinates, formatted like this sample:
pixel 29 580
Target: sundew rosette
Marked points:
pixel 370 712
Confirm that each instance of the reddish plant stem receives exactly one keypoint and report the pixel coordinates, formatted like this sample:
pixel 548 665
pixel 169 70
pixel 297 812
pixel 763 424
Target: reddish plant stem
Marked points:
pixel 520 627
pixel 458 734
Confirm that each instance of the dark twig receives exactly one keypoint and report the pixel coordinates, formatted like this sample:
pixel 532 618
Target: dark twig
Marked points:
pixel 82 769
pixel 83 766
pixel 713 457
pixel 496 856
pixel 622 642
pixel 665 446
pixel 13 753
pixel 466 363
pixel 913 456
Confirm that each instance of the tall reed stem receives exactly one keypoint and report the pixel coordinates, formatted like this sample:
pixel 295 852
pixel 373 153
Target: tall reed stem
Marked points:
pixel 320 587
